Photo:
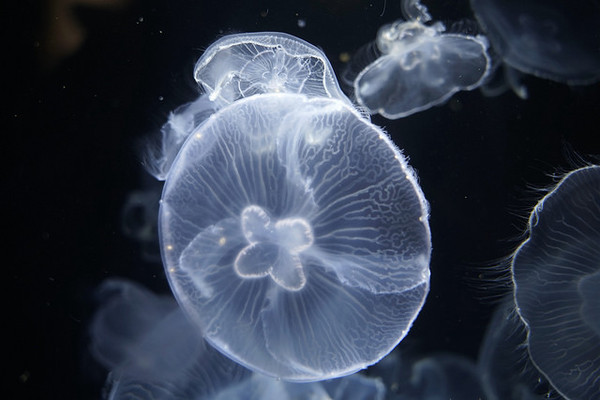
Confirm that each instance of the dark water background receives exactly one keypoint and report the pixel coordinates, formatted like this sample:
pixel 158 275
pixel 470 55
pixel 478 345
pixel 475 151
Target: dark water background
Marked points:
pixel 71 132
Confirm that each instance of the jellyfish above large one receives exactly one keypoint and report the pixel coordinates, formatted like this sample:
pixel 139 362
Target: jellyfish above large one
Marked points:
pixel 556 274
pixel 419 66
pixel 242 65
pixel 292 230
pixel 552 39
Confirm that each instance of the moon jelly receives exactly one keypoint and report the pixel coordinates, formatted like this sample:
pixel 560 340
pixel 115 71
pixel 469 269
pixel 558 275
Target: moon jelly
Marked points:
pixel 552 39
pixel 420 66
pixel 243 65
pixel 296 236
pixel 556 273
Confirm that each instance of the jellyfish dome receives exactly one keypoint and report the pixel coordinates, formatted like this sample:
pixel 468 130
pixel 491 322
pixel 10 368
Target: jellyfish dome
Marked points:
pixel 242 65
pixel 296 236
pixel 551 39
pixel 420 67
pixel 556 273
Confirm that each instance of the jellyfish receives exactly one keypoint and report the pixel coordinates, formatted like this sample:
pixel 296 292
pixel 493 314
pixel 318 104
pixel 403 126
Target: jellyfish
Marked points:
pixel 355 387
pixel 419 65
pixel 296 236
pixel 554 40
pixel 504 364
pixel 258 386
pixel 436 376
pixel 181 122
pixel 446 376
pixel 238 66
pixel 556 274
pixel 154 353
pixel 151 349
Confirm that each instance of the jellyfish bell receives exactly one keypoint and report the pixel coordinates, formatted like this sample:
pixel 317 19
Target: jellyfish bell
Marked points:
pixel 241 65
pixel 420 67
pixel 296 236
pixel 555 40
pixel 556 278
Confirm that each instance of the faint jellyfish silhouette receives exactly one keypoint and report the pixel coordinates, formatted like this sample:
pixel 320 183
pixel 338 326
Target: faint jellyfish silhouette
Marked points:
pixel 504 364
pixel 154 353
pixel 151 349
pixel 439 376
pixel 296 236
pixel 353 387
pixel 138 218
pixel 174 132
pixel 556 276
pixel 419 65
pixel 446 376
pixel 550 39
pixel 242 65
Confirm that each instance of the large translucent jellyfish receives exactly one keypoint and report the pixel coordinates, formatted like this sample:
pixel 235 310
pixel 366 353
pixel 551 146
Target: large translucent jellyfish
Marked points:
pixel 552 39
pixel 154 353
pixel 238 66
pixel 297 237
pixel 419 66
pixel 556 274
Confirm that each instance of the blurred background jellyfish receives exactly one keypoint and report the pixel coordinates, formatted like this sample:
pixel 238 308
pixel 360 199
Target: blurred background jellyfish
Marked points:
pixel 506 370
pixel 555 39
pixel 438 376
pixel 154 353
pixel 151 350
pixel 446 376
pixel 419 65
pixel 174 132
pixel 293 232
pixel 556 276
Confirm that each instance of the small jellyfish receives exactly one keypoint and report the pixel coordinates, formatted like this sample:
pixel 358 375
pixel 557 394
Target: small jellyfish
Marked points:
pixel 296 236
pixel 238 66
pixel 551 39
pixel 419 66
pixel 174 132
pixel 138 218
pixel 556 274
